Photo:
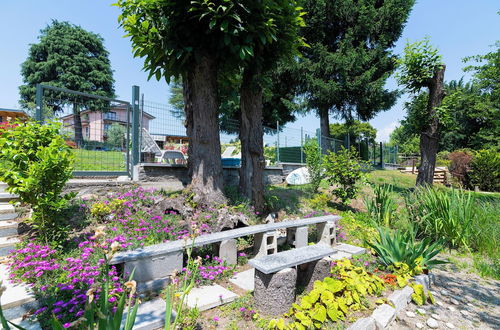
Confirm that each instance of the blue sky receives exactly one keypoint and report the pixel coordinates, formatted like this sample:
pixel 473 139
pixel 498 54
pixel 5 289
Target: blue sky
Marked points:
pixel 458 28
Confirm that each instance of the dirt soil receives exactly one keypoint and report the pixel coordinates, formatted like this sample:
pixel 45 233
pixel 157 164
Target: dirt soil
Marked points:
pixel 463 301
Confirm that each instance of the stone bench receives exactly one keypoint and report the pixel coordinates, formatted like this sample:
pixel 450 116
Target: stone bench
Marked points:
pixel 276 276
pixel 157 262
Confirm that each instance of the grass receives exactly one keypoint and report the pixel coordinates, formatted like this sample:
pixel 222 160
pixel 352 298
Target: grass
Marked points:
pixel 98 160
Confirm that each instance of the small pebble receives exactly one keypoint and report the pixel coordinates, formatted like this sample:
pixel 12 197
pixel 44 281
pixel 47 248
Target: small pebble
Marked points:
pixel 419 325
pixel 464 312
pixel 439 303
pixel 410 314
pixel 450 325
pixel 454 302
pixel 444 292
pixel 469 304
pixel 436 317
pixel 451 308
pixel 421 311
pixel 431 323
pixel 434 293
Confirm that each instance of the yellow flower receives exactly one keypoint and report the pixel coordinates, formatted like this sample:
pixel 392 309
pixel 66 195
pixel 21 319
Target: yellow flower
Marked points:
pixel 131 285
pixel 115 246
pixel 99 232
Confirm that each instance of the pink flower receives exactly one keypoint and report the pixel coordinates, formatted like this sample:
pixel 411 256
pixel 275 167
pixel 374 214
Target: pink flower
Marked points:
pixel 216 319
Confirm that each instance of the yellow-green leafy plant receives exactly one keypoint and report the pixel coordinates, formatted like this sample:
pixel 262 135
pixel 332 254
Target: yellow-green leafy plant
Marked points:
pixel 419 296
pixel 332 298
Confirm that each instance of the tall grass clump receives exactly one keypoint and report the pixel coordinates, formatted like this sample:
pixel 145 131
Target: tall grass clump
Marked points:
pixel 455 216
pixel 382 207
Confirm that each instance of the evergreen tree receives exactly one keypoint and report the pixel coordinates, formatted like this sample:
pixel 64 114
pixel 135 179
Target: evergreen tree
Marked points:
pixel 67 56
pixel 349 59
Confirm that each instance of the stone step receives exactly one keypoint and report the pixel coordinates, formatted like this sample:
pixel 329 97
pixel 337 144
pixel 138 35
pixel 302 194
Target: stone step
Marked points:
pixel 8 228
pixel 150 315
pixel 210 296
pixel 8 216
pixel 7 197
pixel 6 208
pixel 16 300
pixel 7 244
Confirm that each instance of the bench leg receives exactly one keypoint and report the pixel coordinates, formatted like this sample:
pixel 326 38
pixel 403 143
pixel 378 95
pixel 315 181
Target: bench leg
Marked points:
pixel 274 293
pixel 314 271
pixel 265 243
pixel 326 233
pixel 149 269
pixel 227 250
pixel 298 237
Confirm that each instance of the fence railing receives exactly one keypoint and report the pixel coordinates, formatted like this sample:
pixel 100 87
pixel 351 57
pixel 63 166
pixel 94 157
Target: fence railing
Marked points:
pixel 109 136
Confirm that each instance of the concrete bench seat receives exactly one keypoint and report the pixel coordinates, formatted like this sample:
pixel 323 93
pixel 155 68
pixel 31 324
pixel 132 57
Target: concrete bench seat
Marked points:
pixel 275 262
pixel 154 264
pixel 165 248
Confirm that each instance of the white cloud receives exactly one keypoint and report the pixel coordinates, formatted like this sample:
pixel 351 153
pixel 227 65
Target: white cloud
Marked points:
pixel 384 133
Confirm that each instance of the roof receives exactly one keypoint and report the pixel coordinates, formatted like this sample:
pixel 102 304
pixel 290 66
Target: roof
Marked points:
pixel 15 112
pixel 146 114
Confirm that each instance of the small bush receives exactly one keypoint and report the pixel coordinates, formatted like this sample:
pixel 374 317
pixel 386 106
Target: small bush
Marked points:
pixel 459 166
pixel 485 170
pixel 36 163
pixel 344 169
pixel 314 163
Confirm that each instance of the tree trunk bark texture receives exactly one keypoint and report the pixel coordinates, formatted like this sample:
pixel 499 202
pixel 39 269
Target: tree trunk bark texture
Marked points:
pixel 202 126
pixel 252 141
pixel 324 130
pixel 429 138
pixel 77 125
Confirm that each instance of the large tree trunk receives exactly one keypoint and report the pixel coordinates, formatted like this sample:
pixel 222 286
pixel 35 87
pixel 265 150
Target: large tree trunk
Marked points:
pixel 252 141
pixel 429 138
pixel 202 126
pixel 77 125
pixel 324 130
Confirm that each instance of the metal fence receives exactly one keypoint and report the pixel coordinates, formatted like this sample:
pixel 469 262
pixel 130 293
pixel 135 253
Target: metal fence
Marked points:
pixel 109 136
pixel 96 127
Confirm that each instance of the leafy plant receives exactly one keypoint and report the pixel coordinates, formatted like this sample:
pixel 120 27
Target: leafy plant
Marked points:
pixel 485 170
pixel 332 298
pixel 314 163
pixel 443 214
pixel 419 296
pixel 344 170
pixel 36 163
pixel 393 247
pixel 382 207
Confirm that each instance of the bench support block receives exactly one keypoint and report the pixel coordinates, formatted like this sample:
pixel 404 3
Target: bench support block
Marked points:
pixel 314 271
pixel 227 250
pixel 326 233
pixel 266 243
pixel 153 268
pixel 298 237
pixel 274 293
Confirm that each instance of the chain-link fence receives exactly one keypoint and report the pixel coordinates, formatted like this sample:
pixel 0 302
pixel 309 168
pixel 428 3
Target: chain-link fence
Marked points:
pixel 95 127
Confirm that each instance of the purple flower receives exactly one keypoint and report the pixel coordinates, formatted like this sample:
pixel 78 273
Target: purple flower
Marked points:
pixel 216 319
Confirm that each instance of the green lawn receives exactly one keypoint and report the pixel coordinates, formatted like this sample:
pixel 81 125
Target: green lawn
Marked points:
pixel 98 160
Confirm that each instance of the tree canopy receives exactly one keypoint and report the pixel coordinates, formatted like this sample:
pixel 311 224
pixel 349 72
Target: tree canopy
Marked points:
pixel 356 130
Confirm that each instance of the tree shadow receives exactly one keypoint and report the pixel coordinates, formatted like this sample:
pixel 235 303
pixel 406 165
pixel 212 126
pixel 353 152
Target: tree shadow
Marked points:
pixel 286 198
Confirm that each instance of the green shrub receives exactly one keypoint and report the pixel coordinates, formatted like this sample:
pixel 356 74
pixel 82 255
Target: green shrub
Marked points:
pixel 396 247
pixel 36 163
pixel 485 170
pixel 382 207
pixel 314 163
pixel 344 170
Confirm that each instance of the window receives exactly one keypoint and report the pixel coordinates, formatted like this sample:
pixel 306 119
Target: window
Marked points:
pixel 107 127
pixel 87 132
pixel 110 116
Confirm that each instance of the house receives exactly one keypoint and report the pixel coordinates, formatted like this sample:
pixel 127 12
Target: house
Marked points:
pixel 165 139
pixel 95 124
pixel 8 115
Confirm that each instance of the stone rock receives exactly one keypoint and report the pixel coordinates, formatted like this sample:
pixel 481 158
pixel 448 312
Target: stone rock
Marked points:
pixel 274 293
pixel 383 315
pixel 227 220
pixel 424 280
pixel 436 317
pixel 454 301
pixel 450 325
pixel 464 312
pixel 470 305
pixel 451 308
pixel 439 303
pixel 401 298
pixel 410 314
pixel 313 271
pixel 207 297
pixel 244 280
pixel 444 292
pixel 419 325
pixel 421 311
pixel 367 323
pixel 432 323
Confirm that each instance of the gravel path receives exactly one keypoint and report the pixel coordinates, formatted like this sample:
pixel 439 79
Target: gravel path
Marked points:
pixel 463 301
